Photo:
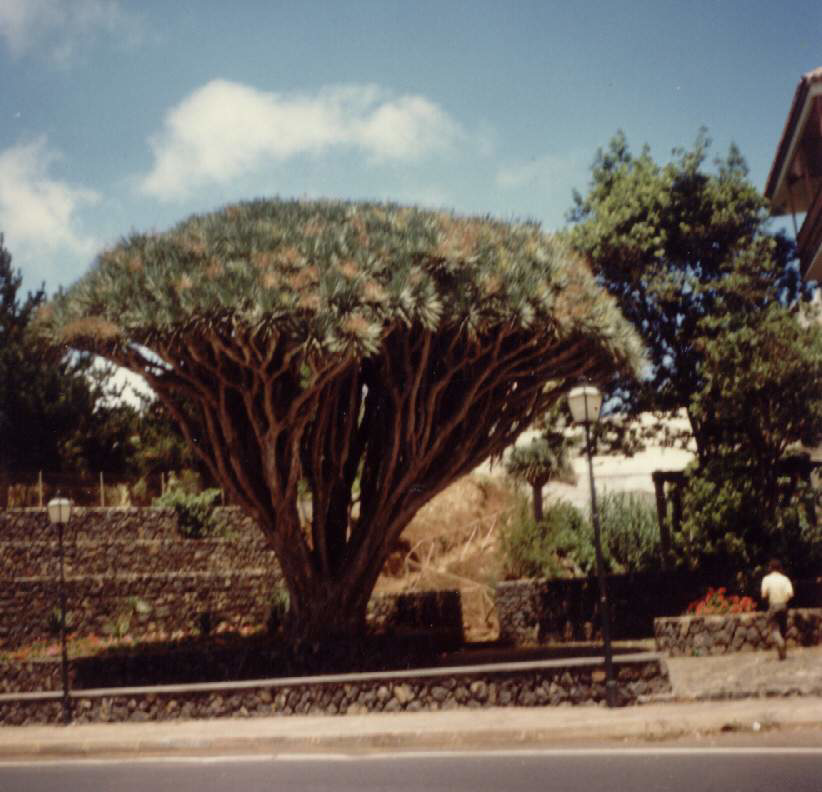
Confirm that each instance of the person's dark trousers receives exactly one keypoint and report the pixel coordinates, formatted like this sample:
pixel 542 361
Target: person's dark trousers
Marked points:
pixel 778 619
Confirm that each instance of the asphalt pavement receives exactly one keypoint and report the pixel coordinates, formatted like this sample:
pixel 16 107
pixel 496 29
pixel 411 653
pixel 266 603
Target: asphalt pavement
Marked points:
pixel 647 768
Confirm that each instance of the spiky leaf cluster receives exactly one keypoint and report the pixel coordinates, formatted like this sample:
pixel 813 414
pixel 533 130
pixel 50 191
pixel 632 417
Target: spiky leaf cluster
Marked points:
pixel 547 456
pixel 538 463
pixel 334 277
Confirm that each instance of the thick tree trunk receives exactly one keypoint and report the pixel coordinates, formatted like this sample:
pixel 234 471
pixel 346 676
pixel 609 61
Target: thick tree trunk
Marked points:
pixel 325 628
pixel 327 599
pixel 327 612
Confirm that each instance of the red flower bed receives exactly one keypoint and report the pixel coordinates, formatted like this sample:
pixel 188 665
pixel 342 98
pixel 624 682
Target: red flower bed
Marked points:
pixel 716 602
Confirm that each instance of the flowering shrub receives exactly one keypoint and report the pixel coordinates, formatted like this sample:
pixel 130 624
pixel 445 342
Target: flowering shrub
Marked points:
pixel 716 602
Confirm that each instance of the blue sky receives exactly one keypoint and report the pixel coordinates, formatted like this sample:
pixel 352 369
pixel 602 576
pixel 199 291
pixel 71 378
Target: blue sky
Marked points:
pixel 121 115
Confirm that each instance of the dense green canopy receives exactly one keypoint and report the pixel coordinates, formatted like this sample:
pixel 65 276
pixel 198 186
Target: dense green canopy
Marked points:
pixel 366 354
pixel 55 410
pixel 334 276
pixel 678 244
pixel 689 253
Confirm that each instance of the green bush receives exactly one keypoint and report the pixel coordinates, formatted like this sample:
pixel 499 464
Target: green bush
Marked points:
pixel 522 545
pixel 533 550
pixel 630 532
pixel 195 512
pixel 563 542
pixel 120 625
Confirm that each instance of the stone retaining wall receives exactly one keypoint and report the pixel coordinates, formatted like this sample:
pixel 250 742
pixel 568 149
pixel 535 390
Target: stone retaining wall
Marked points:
pixel 733 632
pixel 131 571
pixel 212 660
pixel 127 541
pixel 568 609
pixel 545 683
pixel 140 606
pixel 437 614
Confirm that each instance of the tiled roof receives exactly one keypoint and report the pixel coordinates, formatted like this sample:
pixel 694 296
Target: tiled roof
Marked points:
pixel 799 96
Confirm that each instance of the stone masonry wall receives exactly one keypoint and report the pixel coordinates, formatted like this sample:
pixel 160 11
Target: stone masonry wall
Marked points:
pixel 534 611
pixel 535 684
pixel 733 632
pixel 131 571
pixel 568 609
pixel 141 606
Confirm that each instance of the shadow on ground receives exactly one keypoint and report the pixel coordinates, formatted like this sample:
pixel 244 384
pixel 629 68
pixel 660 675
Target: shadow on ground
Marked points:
pixel 237 658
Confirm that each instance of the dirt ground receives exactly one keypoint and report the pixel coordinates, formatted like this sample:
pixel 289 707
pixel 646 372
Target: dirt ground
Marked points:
pixel 452 543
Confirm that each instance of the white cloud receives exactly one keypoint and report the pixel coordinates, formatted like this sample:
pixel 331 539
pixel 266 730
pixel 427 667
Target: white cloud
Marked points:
pixel 225 130
pixel 38 213
pixel 61 27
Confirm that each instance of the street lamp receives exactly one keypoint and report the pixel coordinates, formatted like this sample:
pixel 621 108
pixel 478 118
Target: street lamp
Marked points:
pixel 59 510
pixel 585 403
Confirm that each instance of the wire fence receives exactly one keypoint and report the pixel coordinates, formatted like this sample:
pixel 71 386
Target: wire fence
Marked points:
pixel 103 490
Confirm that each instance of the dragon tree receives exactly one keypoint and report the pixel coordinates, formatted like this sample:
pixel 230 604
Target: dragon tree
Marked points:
pixel 365 354
pixel 546 458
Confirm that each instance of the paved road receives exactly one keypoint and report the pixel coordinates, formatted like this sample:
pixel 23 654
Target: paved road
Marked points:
pixel 752 769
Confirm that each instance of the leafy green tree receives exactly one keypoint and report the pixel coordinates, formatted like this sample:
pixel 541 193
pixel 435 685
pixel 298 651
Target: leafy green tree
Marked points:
pixel 677 245
pixel 763 385
pixel 160 449
pixel 717 297
pixel 50 416
pixel 103 435
pixel 726 531
pixel 58 412
pixel 366 354
pixel 16 371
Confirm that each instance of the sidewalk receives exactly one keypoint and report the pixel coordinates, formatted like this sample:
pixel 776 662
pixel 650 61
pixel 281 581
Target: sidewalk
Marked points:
pixel 747 674
pixel 693 709
pixel 498 728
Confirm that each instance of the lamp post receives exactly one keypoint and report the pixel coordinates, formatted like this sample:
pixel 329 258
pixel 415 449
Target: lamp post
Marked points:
pixel 59 510
pixel 585 403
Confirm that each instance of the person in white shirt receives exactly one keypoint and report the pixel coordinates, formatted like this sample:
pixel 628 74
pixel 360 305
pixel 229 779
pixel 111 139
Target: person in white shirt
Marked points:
pixel 777 590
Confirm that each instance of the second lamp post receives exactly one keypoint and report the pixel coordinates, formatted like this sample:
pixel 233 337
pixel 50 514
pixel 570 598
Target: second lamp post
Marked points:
pixel 585 403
